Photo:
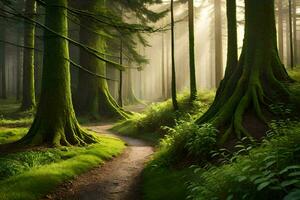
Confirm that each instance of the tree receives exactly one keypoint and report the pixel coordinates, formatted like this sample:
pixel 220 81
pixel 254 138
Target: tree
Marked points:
pixel 28 99
pixel 2 58
pixel 257 81
pixel 55 122
pixel 232 48
pixel 280 28
pixel 173 81
pixel 295 31
pixel 93 95
pixel 121 76
pixel 291 34
pixel 193 85
pixel 218 42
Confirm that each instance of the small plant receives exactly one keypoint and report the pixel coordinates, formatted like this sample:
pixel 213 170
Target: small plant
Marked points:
pixel 202 140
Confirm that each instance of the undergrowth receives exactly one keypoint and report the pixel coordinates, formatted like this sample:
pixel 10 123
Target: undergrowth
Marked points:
pixel 267 171
pixel 149 125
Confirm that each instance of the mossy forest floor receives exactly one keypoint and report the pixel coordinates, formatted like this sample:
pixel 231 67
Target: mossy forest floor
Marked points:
pixel 33 174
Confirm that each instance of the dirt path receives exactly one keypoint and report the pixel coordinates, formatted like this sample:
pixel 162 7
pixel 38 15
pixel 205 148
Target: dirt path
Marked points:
pixel 116 180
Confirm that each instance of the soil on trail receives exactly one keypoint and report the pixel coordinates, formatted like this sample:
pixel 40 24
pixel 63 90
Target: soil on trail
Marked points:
pixel 118 179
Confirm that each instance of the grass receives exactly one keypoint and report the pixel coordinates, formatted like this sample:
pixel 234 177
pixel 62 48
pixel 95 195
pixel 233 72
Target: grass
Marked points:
pixel 35 174
pixel 149 125
pixel 165 183
pixel 11 116
pixel 8 135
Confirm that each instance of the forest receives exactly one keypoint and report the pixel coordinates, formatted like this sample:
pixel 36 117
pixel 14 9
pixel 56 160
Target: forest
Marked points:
pixel 150 99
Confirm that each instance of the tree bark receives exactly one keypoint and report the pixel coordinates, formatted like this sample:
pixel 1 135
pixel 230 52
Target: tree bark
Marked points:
pixel 193 85
pixel 55 122
pixel 258 79
pixel 218 42
pixel 173 81
pixel 28 99
pixel 291 34
pixel 232 46
pixel 19 50
pixel 280 29
pixel 295 32
pixel 121 76
pixel 93 93
pixel 2 62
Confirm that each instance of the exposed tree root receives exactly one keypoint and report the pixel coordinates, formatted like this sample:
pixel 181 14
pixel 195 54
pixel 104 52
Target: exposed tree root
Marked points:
pixel 64 133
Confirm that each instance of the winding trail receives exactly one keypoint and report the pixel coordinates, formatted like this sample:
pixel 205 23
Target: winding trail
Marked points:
pixel 118 179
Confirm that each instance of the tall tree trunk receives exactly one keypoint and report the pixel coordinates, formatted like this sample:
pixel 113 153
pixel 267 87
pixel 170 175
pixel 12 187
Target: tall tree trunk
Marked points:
pixel 173 82
pixel 121 76
pixel 295 32
pixel 291 34
pixel 93 93
pixel 280 29
pixel 28 99
pixel 163 73
pixel 2 63
pixel 55 122
pixel 232 46
pixel 218 42
pixel 193 85
pixel 258 79
pixel 19 68
pixel 130 95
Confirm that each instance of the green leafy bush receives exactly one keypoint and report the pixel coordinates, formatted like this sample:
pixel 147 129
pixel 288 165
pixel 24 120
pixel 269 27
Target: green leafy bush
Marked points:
pixel 202 140
pixel 187 138
pixel 270 171
pixel 162 114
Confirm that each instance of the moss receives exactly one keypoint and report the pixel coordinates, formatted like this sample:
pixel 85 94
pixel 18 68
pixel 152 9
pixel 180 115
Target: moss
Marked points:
pixel 93 96
pixel 147 125
pixel 55 122
pixel 51 168
pixel 173 182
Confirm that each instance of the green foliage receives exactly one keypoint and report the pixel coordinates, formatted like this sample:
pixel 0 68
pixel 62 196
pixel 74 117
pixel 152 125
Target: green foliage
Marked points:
pixel 159 115
pixel 189 137
pixel 14 164
pixel 202 140
pixel 270 171
pixel 165 183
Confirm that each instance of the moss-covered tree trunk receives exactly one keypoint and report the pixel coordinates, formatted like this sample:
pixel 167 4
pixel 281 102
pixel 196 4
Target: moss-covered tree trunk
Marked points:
pixel 55 122
pixel 131 98
pixel 232 46
pixel 193 85
pixel 28 99
pixel 256 82
pixel 93 95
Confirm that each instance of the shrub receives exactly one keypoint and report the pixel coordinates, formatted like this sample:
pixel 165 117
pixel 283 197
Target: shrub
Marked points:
pixel 270 171
pixel 187 138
